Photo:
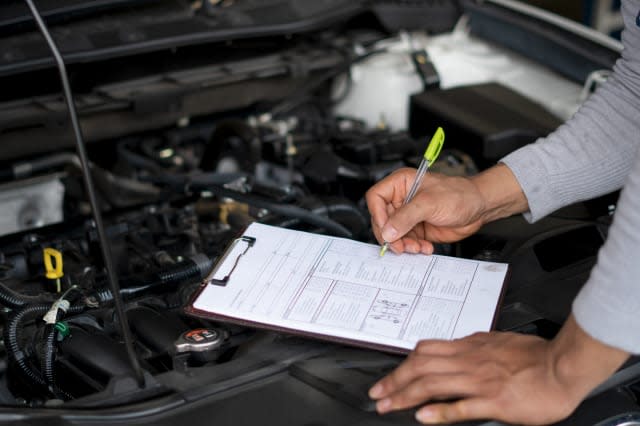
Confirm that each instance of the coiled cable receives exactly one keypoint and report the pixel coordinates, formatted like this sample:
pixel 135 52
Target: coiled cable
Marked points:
pixel 187 271
pixel 15 353
pixel 14 300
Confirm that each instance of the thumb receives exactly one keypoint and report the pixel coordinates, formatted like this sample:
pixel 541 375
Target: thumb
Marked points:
pixel 403 220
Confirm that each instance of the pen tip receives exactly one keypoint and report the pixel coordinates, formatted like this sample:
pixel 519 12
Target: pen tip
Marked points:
pixel 383 250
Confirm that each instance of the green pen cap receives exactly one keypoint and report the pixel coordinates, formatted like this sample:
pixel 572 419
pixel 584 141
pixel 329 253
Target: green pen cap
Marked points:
pixel 435 146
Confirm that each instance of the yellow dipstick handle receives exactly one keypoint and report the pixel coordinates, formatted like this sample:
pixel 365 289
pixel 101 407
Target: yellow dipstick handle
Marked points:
pixel 53 265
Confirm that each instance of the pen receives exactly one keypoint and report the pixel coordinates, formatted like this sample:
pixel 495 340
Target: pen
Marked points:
pixel 430 155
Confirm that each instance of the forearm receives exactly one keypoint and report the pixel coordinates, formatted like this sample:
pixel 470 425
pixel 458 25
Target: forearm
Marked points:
pixel 579 361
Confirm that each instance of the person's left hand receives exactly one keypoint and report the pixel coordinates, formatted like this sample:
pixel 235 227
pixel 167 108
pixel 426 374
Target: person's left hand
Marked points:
pixel 503 376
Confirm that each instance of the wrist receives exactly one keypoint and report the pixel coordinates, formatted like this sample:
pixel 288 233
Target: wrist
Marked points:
pixel 579 362
pixel 501 193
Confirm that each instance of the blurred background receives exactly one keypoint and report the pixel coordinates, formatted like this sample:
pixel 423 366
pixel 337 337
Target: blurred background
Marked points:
pixel 603 15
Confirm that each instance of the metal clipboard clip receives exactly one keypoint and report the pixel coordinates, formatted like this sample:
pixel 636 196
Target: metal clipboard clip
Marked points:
pixel 249 241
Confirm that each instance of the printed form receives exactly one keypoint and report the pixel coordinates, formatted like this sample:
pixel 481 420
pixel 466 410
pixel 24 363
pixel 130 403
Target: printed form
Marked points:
pixel 342 288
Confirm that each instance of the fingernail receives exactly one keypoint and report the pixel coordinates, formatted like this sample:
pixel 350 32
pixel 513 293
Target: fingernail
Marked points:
pixel 376 391
pixel 383 405
pixel 389 233
pixel 426 415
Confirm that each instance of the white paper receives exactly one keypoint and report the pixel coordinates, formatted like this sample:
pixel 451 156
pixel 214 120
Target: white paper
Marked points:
pixel 343 288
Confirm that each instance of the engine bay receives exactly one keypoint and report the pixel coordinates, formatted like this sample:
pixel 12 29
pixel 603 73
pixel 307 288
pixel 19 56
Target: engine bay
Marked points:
pixel 183 160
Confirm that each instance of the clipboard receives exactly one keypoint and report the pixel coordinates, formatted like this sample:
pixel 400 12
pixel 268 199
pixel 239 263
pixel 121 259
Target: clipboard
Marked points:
pixel 211 280
pixel 228 279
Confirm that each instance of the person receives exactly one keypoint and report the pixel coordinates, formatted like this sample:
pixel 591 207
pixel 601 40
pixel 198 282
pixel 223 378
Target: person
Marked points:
pixel 506 376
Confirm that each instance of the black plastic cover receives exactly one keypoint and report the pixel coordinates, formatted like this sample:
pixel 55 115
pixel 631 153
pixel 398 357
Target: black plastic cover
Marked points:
pixel 487 121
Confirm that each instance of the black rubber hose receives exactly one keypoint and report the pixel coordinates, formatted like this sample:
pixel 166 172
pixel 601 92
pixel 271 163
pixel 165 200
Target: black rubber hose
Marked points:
pixel 182 182
pixel 206 182
pixel 112 186
pixel 48 358
pixel 137 160
pixel 303 91
pixel 187 271
pixel 48 355
pixel 13 348
pixel 287 210
pixel 179 275
pixel 11 339
pixel 30 168
pixel 14 300
pixel 330 209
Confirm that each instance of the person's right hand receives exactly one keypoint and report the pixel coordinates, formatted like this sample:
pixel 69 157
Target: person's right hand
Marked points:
pixel 445 209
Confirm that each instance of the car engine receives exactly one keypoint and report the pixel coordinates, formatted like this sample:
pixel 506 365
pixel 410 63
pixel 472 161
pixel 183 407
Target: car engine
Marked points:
pixel 190 146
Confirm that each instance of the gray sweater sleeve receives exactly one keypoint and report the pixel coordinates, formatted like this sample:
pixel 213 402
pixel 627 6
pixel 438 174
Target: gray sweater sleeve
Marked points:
pixel 607 306
pixel 592 153
pixel 595 152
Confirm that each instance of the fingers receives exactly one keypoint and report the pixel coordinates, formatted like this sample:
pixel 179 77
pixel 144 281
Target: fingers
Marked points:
pixel 413 367
pixel 388 192
pixel 458 411
pixel 405 218
pixel 428 378
pixel 411 244
pixel 436 386
pixel 384 198
pixel 504 376
pixel 429 357
pixel 426 247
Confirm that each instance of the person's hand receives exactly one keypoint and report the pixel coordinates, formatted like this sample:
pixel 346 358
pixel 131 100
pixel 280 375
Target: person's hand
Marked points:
pixel 502 376
pixel 445 209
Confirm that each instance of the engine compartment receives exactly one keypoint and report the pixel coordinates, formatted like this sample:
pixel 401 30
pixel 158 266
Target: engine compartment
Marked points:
pixel 293 138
